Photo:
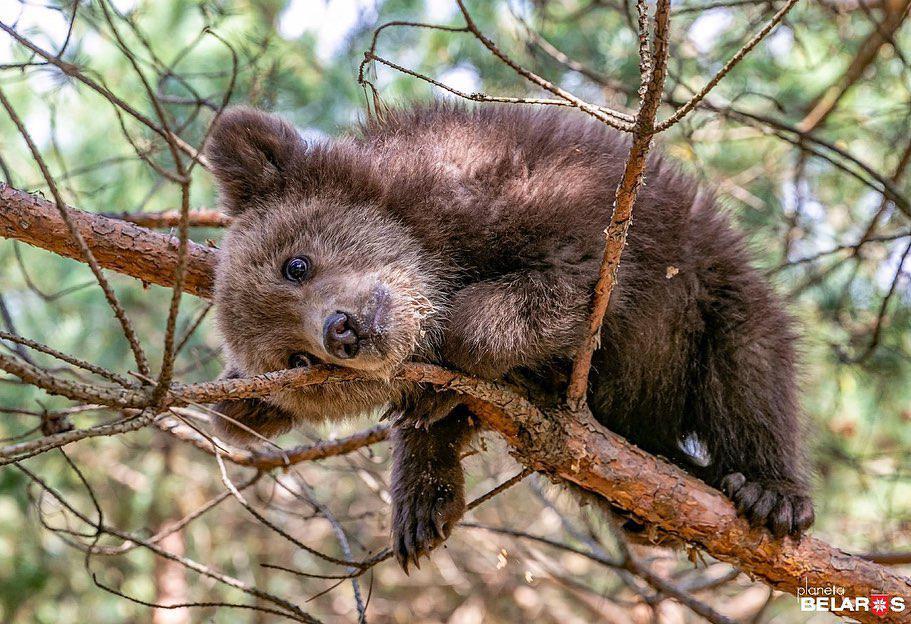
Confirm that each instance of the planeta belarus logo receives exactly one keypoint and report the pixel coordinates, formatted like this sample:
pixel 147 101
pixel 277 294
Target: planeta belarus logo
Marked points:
pixel 835 599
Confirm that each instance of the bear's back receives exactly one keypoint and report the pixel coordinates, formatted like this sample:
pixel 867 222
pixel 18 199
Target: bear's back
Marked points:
pixel 506 188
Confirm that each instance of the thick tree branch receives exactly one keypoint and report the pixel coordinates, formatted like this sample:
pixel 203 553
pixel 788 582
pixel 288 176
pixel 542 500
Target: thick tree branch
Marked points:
pixel 118 245
pixel 576 448
pixel 569 446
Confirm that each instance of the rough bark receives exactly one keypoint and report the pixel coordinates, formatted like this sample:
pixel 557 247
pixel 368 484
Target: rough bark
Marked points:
pixel 118 245
pixel 574 447
pixel 568 445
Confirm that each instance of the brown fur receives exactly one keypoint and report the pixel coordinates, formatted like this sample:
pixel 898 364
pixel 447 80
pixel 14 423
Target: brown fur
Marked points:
pixel 482 229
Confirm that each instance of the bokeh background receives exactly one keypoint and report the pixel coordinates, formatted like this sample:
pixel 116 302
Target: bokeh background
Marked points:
pixel 793 184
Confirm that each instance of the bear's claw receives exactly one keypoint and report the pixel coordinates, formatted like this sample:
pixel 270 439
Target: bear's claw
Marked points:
pixel 423 522
pixel 771 504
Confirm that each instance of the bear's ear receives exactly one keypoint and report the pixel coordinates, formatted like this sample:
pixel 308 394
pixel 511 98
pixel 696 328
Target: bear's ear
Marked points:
pixel 250 154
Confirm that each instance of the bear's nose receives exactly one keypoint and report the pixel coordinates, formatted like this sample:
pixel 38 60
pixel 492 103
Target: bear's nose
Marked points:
pixel 340 337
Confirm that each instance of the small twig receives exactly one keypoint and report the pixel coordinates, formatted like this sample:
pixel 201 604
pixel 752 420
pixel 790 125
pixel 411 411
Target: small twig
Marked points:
pixel 171 218
pixel 610 118
pixel 178 525
pixel 888 558
pixel 653 74
pixel 72 70
pixel 685 598
pixel 881 315
pixel 291 609
pixel 623 121
pixel 681 112
pixel 69 359
pixel 23 450
pixel 272 526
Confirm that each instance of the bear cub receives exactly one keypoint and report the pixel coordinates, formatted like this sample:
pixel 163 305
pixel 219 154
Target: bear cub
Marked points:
pixel 472 238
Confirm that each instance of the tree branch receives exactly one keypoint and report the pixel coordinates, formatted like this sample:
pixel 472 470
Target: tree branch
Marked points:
pixel 117 245
pixel 268 459
pixel 171 218
pixel 681 112
pixel 654 69
pixel 576 448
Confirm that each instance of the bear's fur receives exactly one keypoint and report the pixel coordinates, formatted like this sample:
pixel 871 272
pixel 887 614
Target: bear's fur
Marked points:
pixel 472 238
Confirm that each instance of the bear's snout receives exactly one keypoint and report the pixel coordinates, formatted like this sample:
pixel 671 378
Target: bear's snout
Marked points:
pixel 345 333
pixel 341 336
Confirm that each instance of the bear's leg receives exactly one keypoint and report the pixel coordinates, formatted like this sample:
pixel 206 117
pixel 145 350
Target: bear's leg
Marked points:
pixel 516 320
pixel 428 485
pixel 745 409
pixel 494 326
pixel 249 420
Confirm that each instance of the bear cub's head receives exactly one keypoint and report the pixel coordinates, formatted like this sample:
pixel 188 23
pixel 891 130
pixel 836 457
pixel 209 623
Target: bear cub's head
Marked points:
pixel 313 268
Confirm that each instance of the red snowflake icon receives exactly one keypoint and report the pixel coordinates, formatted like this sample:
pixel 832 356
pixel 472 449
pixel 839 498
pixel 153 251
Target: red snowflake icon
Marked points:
pixel 879 604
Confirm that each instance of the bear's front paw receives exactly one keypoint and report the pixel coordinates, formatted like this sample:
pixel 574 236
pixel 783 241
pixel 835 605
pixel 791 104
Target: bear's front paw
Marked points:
pixel 424 520
pixel 422 410
pixel 411 419
pixel 771 504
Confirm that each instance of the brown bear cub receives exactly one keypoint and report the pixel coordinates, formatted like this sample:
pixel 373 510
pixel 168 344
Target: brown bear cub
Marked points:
pixel 472 238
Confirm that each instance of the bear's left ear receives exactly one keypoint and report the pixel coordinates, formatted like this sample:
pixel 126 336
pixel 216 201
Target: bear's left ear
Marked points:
pixel 250 154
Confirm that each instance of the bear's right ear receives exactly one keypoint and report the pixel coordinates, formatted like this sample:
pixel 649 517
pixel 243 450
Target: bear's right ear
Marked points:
pixel 250 154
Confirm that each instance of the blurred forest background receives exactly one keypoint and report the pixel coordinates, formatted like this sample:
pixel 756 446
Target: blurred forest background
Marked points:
pixel 799 140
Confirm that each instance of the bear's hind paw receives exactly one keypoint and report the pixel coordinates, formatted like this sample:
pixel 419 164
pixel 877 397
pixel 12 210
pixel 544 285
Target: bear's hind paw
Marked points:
pixel 771 504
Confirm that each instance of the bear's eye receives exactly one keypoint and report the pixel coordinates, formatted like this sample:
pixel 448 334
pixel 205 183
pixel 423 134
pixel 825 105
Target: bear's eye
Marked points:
pixel 297 269
pixel 299 360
